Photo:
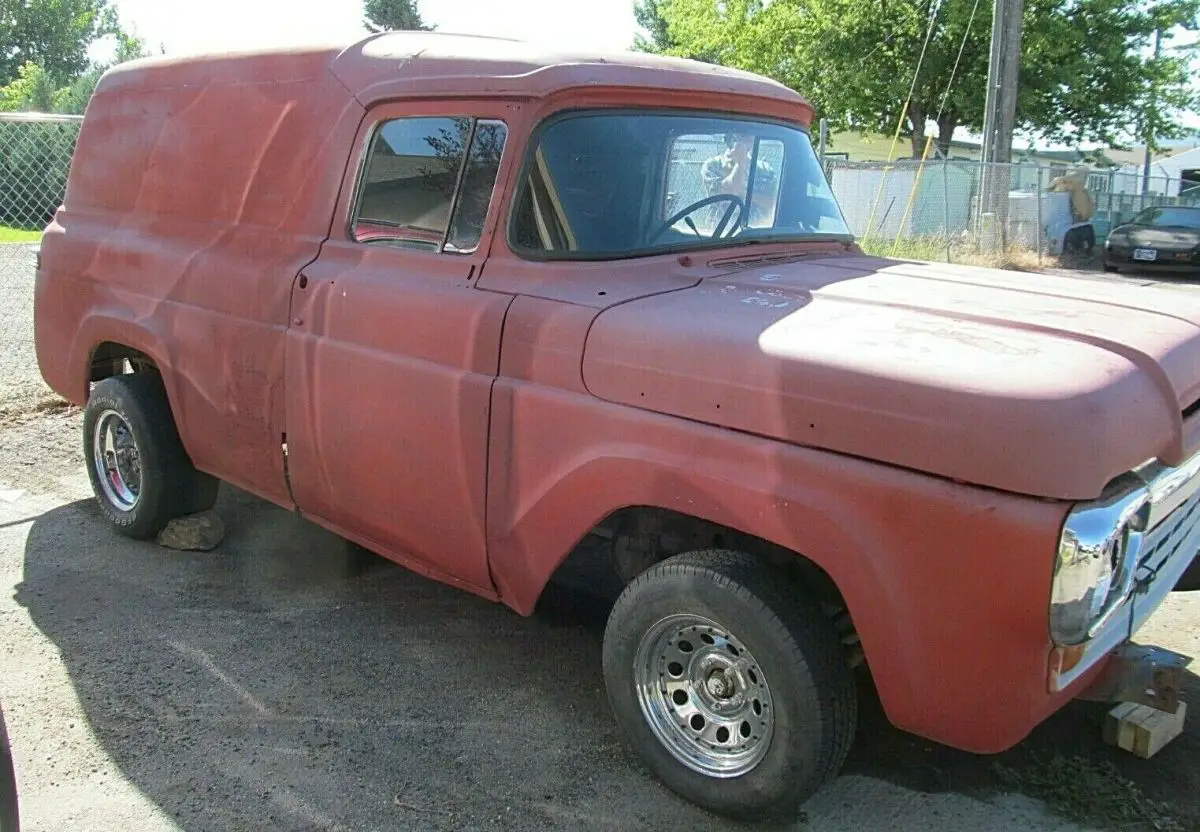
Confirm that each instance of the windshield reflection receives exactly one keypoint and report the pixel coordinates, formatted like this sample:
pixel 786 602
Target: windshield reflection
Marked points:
pixel 609 185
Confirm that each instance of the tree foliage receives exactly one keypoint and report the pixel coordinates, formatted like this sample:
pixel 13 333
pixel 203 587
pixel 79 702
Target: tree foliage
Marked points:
pixel 1087 73
pixel 36 90
pixel 650 19
pixel 53 34
pixel 44 44
pixel 393 16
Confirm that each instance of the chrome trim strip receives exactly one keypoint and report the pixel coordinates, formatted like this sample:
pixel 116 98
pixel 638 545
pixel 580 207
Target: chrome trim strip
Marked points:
pixel 1169 488
pixel 1153 589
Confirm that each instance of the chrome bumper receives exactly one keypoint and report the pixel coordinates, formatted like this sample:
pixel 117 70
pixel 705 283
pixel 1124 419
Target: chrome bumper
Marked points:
pixel 1172 541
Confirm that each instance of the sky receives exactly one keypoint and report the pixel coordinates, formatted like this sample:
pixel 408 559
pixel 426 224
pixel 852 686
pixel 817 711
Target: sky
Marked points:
pixel 185 26
pixel 215 25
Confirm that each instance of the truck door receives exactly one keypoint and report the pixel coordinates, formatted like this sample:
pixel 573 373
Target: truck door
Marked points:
pixel 392 351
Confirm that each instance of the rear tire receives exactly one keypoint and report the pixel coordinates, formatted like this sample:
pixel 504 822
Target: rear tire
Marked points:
pixel 140 472
pixel 729 684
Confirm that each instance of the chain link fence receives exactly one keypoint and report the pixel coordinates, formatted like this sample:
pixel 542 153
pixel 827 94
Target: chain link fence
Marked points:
pixel 35 157
pixel 961 210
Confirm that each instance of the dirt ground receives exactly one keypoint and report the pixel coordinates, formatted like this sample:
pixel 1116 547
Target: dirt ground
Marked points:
pixel 288 681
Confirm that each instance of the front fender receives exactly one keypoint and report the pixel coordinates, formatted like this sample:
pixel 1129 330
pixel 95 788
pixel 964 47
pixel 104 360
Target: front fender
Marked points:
pixel 948 585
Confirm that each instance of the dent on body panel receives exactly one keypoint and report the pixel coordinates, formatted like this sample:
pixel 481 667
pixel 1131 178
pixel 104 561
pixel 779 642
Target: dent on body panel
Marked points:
pixel 227 193
pixel 224 131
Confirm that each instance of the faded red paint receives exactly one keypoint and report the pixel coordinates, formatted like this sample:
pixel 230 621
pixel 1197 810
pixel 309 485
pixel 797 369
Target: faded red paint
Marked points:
pixel 473 417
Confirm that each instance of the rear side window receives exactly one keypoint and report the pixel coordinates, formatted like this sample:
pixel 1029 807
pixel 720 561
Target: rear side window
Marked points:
pixel 428 183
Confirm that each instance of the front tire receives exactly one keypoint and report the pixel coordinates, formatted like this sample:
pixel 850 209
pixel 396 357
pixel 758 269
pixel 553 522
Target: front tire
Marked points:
pixel 140 472
pixel 729 685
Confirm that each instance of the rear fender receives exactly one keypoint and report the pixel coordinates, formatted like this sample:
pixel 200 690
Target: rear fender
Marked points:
pixel 145 337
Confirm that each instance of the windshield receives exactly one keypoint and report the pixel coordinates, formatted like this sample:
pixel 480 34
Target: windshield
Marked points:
pixel 608 185
pixel 1172 217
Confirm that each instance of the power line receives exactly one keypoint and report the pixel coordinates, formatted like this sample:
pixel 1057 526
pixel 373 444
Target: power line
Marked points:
pixel 933 13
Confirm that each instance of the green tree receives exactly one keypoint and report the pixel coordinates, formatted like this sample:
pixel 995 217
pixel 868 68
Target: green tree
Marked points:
pixel 73 98
pixel 392 16
pixel 54 34
pixel 1086 71
pixel 35 90
pixel 649 18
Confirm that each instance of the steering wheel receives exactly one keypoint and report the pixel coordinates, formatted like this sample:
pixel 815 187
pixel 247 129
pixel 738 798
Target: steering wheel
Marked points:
pixel 735 204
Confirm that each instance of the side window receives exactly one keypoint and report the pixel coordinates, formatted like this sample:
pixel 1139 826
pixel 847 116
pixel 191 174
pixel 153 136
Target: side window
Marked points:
pixel 478 182
pixel 428 182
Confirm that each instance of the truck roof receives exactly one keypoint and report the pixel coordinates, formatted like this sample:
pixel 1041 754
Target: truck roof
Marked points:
pixel 397 64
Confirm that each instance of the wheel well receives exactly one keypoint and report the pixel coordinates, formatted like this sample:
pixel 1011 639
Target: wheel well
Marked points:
pixel 633 539
pixel 113 359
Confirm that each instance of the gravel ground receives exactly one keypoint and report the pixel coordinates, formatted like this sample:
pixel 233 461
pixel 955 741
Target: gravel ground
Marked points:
pixel 19 378
pixel 289 681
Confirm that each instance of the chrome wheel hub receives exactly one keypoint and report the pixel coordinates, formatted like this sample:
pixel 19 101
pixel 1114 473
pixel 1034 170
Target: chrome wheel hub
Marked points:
pixel 704 696
pixel 117 460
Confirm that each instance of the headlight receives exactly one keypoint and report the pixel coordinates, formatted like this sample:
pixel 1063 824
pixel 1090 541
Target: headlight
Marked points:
pixel 1097 562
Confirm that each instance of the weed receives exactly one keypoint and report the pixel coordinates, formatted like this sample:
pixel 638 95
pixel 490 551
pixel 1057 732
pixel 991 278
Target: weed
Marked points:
pixel 1088 791
pixel 959 249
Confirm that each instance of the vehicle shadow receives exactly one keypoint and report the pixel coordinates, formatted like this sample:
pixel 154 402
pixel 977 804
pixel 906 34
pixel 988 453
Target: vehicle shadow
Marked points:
pixel 290 680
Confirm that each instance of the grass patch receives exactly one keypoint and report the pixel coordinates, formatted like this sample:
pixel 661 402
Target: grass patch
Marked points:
pixel 962 250
pixel 18 235
pixel 1088 792
pixel 908 248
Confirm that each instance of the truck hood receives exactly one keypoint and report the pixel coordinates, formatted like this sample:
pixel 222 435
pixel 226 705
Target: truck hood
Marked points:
pixel 1036 384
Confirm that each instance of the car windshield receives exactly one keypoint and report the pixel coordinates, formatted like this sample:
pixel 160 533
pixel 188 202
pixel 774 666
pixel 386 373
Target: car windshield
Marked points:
pixel 1170 217
pixel 605 185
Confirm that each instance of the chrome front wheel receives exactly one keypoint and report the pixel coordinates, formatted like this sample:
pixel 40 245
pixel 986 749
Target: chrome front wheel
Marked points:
pixel 704 696
pixel 729 683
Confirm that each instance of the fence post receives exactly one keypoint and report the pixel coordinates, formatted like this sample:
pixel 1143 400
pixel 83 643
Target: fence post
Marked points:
pixel 946 205
pixel 1111 180
pixel 1038 191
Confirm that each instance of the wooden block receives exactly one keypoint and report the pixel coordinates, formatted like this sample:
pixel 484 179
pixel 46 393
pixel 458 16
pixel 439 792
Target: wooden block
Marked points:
pixel 1141 730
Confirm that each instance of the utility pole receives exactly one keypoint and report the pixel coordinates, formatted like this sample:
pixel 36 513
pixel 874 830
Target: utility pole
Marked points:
pixel 1010 80
pixel 1149 119
pixel 1000 103
pixel 988 144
